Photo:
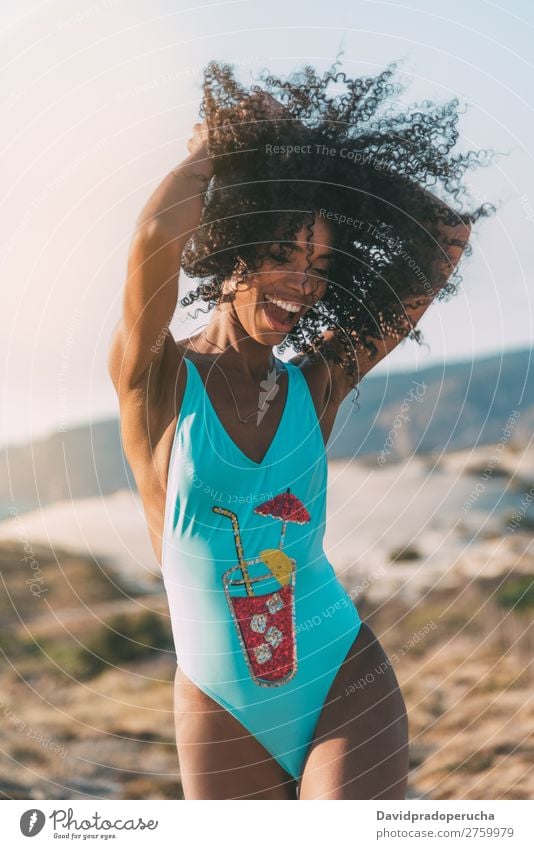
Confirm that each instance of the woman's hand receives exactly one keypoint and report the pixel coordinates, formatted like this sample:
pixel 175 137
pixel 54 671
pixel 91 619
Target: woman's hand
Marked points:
pixel 199 159
pixel 274 110
pixel 197 145
pixel 198 141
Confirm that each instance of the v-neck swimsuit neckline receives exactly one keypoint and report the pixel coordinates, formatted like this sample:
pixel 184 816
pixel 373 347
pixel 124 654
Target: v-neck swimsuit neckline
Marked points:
pixel 226 435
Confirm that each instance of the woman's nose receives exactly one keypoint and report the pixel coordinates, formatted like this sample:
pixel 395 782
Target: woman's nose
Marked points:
pixel 303 282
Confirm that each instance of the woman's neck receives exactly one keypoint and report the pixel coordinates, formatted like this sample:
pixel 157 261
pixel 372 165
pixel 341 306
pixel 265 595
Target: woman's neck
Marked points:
pixel 226 339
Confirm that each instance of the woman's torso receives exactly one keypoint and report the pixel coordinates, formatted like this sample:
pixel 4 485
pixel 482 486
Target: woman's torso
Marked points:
pixel 148 429
pixel 227 516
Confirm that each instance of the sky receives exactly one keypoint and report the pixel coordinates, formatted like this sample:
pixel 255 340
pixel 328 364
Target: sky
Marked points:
pixel 98 101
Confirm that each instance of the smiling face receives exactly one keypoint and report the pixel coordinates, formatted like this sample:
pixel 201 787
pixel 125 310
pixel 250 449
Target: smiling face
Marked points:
pixel 286 285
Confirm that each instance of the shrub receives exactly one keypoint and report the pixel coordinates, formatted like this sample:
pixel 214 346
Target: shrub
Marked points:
pixel 516 593
pixel 125 637
pixel 403 553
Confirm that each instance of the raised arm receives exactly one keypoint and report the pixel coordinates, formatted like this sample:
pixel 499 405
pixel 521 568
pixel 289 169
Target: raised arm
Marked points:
pixel 142 341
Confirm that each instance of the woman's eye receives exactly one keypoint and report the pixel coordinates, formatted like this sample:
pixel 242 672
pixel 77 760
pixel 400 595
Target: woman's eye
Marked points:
pixel 284 258
pixel 278 257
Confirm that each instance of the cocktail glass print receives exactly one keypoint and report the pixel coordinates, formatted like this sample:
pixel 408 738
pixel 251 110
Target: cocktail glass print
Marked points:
pixel 263 606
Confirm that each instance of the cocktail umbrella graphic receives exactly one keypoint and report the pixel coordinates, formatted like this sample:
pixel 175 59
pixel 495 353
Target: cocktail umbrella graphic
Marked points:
pixel 288 508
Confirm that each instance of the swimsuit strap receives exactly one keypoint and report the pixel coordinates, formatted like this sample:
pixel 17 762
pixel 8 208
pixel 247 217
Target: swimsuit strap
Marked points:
pixel 304 404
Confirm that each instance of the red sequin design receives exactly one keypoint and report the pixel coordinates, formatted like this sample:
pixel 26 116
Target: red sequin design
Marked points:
pixel 266 623
pixel 269 660
pixel 285 506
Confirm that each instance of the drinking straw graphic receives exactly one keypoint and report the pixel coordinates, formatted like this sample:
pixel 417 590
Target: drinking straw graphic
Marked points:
pixel 239 548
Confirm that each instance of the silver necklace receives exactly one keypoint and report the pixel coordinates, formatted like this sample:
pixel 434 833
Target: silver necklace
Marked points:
pixel 241 419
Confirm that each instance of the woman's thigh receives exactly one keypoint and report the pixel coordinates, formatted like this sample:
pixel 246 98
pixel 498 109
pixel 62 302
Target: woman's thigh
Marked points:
pixel 219 758
pixel 360 745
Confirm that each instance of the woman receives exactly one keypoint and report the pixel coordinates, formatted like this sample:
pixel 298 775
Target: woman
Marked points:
pixel 307 225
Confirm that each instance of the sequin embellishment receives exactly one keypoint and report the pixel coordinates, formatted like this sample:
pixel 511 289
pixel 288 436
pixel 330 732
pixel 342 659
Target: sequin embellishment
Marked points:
pixel 274 603
pixel 263 653
pixel 274 636
pixel 258 623
pixel 265 622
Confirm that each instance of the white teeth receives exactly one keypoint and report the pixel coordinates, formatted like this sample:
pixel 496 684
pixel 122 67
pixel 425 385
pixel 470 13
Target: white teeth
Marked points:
pixel 285 305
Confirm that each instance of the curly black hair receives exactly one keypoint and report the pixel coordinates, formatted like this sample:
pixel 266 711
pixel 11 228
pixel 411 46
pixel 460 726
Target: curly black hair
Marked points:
pixel 331 154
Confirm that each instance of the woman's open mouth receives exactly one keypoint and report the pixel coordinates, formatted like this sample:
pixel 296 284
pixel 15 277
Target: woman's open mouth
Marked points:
pixel 281 315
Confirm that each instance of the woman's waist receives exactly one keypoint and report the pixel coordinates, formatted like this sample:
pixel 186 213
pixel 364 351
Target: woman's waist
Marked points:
pixel 310 574
pixel 310 598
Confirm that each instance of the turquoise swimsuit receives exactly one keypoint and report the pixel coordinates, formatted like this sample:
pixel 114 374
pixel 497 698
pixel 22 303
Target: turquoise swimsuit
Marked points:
pixel 259 619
